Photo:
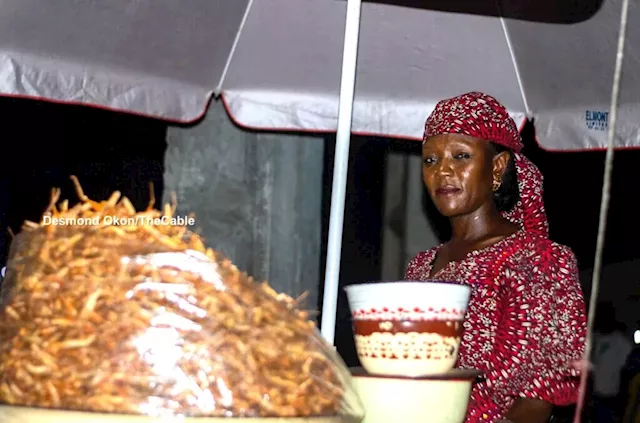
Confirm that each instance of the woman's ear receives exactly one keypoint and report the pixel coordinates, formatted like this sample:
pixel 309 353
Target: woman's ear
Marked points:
pixel 500 162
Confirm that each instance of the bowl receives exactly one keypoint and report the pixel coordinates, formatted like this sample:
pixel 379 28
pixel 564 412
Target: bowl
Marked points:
pixel 408 328
pixel 442 398
pixel 13 414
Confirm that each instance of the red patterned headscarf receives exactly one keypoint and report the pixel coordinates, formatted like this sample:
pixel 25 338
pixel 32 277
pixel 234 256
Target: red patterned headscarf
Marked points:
pixel 481 116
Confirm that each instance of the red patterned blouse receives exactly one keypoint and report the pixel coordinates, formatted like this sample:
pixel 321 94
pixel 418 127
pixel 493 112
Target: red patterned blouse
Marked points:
pixel 525 324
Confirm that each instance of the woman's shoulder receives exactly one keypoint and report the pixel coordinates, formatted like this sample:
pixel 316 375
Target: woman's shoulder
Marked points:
pixel 544 253
pixel 419 263
pixel 425 255
pixel 537 245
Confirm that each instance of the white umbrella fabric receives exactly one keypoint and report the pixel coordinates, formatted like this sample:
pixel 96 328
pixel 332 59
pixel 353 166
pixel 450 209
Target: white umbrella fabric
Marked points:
pixel 277 63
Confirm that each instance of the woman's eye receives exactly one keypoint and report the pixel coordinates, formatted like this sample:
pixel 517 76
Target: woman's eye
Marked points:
pixel 462 156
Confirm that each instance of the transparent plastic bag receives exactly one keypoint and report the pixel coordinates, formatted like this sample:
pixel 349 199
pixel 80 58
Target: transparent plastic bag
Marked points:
pixel 146 320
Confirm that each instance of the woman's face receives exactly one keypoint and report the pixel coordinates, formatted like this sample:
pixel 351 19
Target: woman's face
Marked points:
pixel 458 172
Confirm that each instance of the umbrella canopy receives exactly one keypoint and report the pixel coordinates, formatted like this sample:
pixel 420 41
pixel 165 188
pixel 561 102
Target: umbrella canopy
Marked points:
pixel 277 62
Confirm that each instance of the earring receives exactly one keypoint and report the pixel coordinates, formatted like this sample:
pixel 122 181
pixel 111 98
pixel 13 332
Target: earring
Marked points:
pixel 496 185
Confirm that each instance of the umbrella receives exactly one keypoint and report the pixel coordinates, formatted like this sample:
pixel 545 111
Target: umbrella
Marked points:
pixel 276 63
pixel 276 66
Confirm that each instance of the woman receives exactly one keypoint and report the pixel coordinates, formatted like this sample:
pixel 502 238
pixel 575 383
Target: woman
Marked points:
pixel 525 325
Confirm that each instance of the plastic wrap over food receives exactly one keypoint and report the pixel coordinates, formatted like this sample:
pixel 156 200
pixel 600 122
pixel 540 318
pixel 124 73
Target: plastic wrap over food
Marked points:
pixel 144 319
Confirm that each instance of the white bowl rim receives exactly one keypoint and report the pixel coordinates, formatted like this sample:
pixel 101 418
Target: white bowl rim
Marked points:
pixel 424 284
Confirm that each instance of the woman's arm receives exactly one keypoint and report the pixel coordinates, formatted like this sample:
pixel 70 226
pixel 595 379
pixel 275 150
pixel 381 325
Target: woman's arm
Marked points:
pixel 529 410
pixel 416 268
pixel 541 335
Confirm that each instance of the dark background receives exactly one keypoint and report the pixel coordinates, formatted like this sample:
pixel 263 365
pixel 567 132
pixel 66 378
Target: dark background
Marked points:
pixel 573 190
pixel 45 143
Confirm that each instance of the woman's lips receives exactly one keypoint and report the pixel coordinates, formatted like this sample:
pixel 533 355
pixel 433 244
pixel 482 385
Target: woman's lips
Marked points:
pixel 448 190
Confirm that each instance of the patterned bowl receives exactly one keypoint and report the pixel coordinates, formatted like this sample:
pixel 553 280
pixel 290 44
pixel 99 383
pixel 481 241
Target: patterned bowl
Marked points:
pixel 408 329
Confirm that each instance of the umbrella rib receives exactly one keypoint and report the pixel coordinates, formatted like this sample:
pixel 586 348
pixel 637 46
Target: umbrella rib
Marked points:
pixel 514 60
pixel 604 204
pixel 218 89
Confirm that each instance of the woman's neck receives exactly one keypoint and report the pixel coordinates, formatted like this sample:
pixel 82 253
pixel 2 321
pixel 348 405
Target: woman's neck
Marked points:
pixel 484 222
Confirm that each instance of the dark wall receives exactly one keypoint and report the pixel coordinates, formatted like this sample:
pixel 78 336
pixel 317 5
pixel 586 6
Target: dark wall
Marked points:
pixel 43 144
pixel 573 190
pixel 361 242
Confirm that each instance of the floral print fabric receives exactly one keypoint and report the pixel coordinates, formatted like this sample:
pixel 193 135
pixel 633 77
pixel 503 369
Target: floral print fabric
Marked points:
pixel 525 323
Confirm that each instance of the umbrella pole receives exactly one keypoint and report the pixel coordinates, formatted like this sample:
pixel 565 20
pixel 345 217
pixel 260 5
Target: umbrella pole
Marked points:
pixel 340 168
pixel 604 208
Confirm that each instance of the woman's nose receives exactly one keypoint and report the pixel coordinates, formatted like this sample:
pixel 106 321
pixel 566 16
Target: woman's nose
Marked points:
pixel 444 167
